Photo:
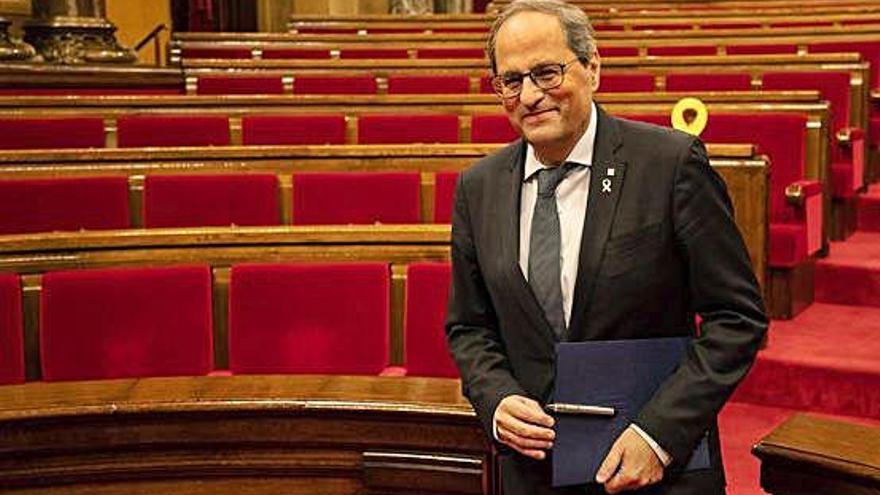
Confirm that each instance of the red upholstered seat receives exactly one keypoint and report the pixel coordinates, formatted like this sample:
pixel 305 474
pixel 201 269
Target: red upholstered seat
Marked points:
pixel 444 196
pixel 295 53
pixel 136 131
pixel 74 132
pixel 791 24
pixel 11 336
pixel 356 198
pixel 127 90
pixel 309 318
pixel 782 137
pixel 293 129
pixel 611 82
pixel 834 87
pixel 619 51
pixel 730 25
pixel 216 53
pixel 239 85
pixel 428 84
pixel 492 129
pixel 427 294
pixel 715 82
pixel 451 53
pixel 126 322
pixel 407 128
pixel 74 203
pixel 486 85
pixel 761 49
pixel 334 85
pixel 661 27
pixel 667 51
pixel 461 29
pixel 325 30
pixel 373 53
pixel 203 200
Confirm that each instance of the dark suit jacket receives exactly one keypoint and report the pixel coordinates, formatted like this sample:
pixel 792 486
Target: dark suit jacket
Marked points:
pixel 660 247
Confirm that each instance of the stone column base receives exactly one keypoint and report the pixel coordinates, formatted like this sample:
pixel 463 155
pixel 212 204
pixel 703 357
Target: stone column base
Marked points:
pixel 77 40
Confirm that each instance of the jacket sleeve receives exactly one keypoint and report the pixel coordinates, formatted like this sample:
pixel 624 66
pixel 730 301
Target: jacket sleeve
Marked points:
pixel 724 292
pixel 472 324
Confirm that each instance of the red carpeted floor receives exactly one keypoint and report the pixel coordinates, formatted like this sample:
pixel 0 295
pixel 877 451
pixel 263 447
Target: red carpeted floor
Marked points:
pixel 826 360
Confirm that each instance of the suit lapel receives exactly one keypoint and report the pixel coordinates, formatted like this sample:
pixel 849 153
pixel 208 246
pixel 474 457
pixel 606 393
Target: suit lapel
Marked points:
pixel 606 181
pixel 509 220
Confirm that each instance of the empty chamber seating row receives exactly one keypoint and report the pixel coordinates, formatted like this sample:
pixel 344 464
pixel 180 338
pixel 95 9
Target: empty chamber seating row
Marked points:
pixel 95 203
pixel 283 318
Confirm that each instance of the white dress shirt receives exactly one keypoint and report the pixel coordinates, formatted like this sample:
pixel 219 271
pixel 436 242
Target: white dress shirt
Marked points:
pixel 571 204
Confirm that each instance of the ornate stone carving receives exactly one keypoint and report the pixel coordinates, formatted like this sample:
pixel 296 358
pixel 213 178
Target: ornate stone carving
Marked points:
pixel 12 50
pixel 75 32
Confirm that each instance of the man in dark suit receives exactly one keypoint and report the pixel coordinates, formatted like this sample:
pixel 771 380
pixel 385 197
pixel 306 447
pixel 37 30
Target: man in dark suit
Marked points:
pixel 593 228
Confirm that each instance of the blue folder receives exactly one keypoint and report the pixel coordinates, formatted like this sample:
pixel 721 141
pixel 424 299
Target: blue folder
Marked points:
pixel 622 374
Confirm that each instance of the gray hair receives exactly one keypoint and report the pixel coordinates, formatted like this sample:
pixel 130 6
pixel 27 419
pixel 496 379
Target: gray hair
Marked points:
pixel 579 34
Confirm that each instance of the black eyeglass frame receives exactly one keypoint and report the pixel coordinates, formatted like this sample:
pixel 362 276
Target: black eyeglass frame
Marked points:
pixel 498 80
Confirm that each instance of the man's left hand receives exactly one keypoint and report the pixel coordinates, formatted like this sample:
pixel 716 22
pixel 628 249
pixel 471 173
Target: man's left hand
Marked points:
pixel 630 464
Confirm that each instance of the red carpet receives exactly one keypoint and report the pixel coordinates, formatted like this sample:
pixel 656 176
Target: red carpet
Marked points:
pixel 826 360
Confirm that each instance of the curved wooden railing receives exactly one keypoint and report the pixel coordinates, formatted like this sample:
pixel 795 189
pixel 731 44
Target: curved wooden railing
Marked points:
pixel 243 434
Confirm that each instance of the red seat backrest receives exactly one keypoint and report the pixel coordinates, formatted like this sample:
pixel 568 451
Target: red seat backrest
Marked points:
pixel 193 52
pixel 724 81
pixel 11 336
pixel 451 53
pixel 295 53
pixel 239 85
pixel 427 295
pixel 335 85
pixel 407 128
pixel 309 318
pixel 205 200
pixel 293 129
pixel 73 203
pixel 126 322
pixel 444 196
pixel 611 82
pixel 49 133
pixel 427 85
pixel 332 198
pixel 694 50
pixel 492 128
pixel 761 49
pixel 137 131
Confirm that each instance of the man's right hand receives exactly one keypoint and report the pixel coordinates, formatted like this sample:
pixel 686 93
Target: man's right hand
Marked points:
pixel 522 425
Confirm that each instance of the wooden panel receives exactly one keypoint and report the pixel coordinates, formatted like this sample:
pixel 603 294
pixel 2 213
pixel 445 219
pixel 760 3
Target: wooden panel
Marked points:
pixel 809 455
pixel 243 434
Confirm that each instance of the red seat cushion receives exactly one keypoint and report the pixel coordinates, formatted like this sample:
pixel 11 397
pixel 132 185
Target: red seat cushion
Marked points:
pixel 451 53
pixel 127 90
pixel 444 196
pixel 428 84
pixel 309 318
pixel 761 49
pixel 295 53
pixel 869 49
pixel 216 53
pixel 137 131
pixel 492 129
pixel 321 198
pixel 75 132
pixel 11 336
pixel 293 129
pixel 203 200
pixel 370 53
pixel 403 129
pixel 668 51
pixel 619 51
pixel 427 294
pixel 716 82
pixel 44 205
pixel 126 322
pixel 240 85
pixel 622 83
pixel 338 85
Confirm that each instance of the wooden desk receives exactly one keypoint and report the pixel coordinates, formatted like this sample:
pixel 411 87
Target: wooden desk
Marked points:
pixel 242 434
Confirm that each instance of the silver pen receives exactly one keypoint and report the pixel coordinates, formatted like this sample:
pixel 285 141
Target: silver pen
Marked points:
pixel 563 408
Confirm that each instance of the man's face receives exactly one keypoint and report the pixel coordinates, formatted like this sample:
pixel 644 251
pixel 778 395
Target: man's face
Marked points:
pixel 551 120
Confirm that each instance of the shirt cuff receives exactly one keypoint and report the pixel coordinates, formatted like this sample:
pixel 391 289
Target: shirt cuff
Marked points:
pixel 664 456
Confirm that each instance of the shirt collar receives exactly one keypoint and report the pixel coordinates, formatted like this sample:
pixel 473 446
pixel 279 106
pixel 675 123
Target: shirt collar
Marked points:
pixel 581 153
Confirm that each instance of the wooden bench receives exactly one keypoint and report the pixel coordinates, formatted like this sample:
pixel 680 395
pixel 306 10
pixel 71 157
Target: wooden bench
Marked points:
pixel 336 435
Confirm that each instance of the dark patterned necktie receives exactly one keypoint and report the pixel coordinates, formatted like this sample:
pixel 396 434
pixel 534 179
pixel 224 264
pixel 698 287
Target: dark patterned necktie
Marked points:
pixel 544 247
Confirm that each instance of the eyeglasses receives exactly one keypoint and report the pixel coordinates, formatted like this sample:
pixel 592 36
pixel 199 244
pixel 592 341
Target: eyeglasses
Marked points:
pixel 545 77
